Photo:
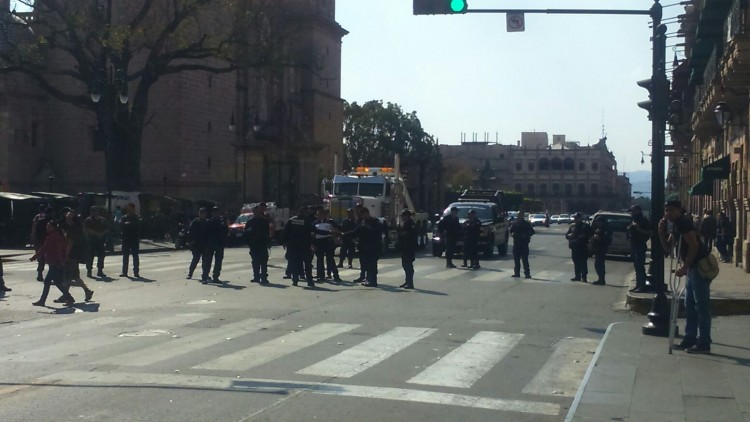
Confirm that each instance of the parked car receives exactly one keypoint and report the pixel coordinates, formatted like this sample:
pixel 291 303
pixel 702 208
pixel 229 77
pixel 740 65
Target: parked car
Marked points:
pixel 555 219
pixel 538 220
pixel 512 215
pixel 617 223
pixel 237 229
pixel 564 219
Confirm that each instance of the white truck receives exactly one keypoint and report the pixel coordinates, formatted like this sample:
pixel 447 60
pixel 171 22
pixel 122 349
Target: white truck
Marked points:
pixel 382 191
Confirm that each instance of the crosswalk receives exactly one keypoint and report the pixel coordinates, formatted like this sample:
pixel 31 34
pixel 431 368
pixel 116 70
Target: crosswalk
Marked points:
pixel 230 354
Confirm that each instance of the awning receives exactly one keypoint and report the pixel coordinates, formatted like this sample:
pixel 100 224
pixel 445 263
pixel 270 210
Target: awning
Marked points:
pixel 719 169
pixel 703 187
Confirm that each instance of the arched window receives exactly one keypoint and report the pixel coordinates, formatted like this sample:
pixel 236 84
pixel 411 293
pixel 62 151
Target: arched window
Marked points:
pixel 581 166
pixel 543 164
pixel 556 164
pixel 568 164
pixel 531 189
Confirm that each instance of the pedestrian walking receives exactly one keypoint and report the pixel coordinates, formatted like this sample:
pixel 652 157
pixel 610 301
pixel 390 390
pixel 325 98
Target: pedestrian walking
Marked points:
pixel 408 238
pixel 218 235
pixel 724 237
pixel 258 238
pixel 708 229
pixel 472 229
pixel 297 240
pixel 370 242
pixel 638 232
pixel 75 253
pixel 53 250
pixel 38 233
pixel 521 232
pixel 198 235
pixel 449 229
pixel 578 235
pixel 96 229
pixel 601 238
pixel 697 338
pixel 325 246
pixel 130 230
pixel 347 244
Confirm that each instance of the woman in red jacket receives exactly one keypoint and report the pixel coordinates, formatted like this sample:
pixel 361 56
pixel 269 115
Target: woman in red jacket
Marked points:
pixel 53 251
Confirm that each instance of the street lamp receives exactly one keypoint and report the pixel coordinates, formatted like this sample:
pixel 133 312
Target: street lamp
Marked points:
pixel 244 134
pixel 722 113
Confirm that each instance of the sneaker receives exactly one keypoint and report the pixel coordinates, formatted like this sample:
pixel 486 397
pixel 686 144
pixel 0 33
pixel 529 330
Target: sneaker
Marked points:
pixel 100 273
pixel 89 295
pixel 69 301
pixel 699 350
pixel 684 344
pixel 527 276
pixel 136 275
pixel 516 275
pixel 583 280
pixel 60 299
pixel 450 266
pixel 575 279
pixel 310 284
pixel 38 303
pixel 598 283
pixel 123 274
pixel 189 276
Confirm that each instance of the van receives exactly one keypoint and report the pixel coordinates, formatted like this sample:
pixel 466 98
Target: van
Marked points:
pixel 617 223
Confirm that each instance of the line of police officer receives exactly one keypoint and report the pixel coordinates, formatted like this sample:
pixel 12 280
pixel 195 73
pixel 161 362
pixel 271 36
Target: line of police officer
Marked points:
pixel 208 237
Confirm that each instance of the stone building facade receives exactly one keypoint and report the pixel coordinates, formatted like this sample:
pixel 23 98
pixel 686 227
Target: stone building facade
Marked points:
pixel 188 149
pixel 710 163
pixel 563 176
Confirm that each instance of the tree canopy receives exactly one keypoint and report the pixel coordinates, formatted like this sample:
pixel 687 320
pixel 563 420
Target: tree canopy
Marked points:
pixel 374 132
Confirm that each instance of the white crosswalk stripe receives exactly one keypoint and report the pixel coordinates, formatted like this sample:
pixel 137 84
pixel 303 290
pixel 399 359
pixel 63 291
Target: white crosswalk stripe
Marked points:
pixel 25 333
pixel 469 362
pixel 276 348
pixel 550 276
pixel 368 354
pixel 564 370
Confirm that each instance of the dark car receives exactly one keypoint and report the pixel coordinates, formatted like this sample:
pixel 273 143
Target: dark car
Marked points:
pixel 494 232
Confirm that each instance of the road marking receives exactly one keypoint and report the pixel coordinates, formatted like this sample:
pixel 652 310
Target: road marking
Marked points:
pixel 276 348
pixel 66 329
pixel 444 274
pixel 562 373
pixel 89 341
pixel 285 388
pixel 556 276
pixel 493 276
pixel 367 354
pixel 469 362
pixel 182 345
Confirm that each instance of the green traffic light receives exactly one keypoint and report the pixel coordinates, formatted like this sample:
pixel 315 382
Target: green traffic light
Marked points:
pixel 458 6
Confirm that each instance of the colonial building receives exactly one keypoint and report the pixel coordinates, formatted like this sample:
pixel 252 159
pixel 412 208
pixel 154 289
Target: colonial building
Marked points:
pixel 260 135
pixel 563 176
pixel 709 126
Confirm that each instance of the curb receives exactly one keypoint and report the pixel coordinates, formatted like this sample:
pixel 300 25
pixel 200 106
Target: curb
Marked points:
pixel 641 303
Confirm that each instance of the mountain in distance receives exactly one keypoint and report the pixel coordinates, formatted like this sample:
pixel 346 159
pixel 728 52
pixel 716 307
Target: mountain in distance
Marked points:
pixel 641 182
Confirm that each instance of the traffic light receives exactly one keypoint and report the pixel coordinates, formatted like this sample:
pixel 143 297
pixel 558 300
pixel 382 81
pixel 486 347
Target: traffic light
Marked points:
pixel 658 94
pixel 440 7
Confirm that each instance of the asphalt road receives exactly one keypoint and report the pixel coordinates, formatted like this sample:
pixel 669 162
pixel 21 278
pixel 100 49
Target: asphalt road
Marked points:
pixel 465 345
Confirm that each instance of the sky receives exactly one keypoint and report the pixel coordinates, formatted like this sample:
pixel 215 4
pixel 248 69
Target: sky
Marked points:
pixel 566 74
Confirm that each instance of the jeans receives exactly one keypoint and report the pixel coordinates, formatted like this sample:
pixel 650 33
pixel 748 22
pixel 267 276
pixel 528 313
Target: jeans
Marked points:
pixel 639 263
pixel 54 276
pixel 721 246
pixel 698 308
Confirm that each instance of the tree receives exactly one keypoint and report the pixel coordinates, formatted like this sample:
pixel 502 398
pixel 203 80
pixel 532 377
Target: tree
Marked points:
pixel 84 50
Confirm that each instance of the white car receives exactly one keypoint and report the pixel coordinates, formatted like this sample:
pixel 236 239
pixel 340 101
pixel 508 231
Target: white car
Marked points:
pixel 555 219
pixel 617 223
pixel 563 219
pixel 538 219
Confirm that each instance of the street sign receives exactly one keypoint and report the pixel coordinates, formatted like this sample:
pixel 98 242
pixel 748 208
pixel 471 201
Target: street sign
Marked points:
pixel 515 22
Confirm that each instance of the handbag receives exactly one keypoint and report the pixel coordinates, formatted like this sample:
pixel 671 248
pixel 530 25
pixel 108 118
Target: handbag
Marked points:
pixel 708 267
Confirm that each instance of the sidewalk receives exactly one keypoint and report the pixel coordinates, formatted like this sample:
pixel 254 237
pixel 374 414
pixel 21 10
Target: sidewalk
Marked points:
pixel 147 246
pixel 633 378
pixel 730 292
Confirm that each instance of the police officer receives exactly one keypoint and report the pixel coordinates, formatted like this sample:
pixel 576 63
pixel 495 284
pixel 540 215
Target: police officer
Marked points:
pixel 521 232
pixel 297 239
pixel 218 234
pixel 347 246
pixel 325 245
pixel 130 228
pixel 198 234
pixel 96 230
pixel 578 235
pixel 370 233
pixel 258 238
pixel 638 232
pixel 449 229
pixel 600 240
pixel 408 234
pixel 472 229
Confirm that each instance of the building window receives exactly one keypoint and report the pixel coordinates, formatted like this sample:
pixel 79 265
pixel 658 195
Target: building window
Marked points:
pixel 581 166
pixel 531 166
pixel 568 164
pixel 502 156
pixel 556 164
pixel 594 189
pixel 555 188
pixel 543 188
pixel 518 187
pixel 568 189
pixel 531 189
pixel 543 164
pixel 594 166
pixel 519 166
pixel 581 189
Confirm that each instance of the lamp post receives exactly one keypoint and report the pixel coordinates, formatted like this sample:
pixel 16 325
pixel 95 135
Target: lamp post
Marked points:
pixel 243 134
pixel 51 182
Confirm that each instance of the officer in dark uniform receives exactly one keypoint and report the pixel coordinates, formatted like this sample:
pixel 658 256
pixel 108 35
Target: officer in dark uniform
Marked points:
pixel 198 234
pixel 472 229
pixel 408 234
pixel 258 238
pixel 219 232
pixel 370 233
pixel 297 239
pixel 130 224
pixel 578 241
pixel 600 240
pixel 521 232
pixel 449 229
pixel 325 246
pixel 348 245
